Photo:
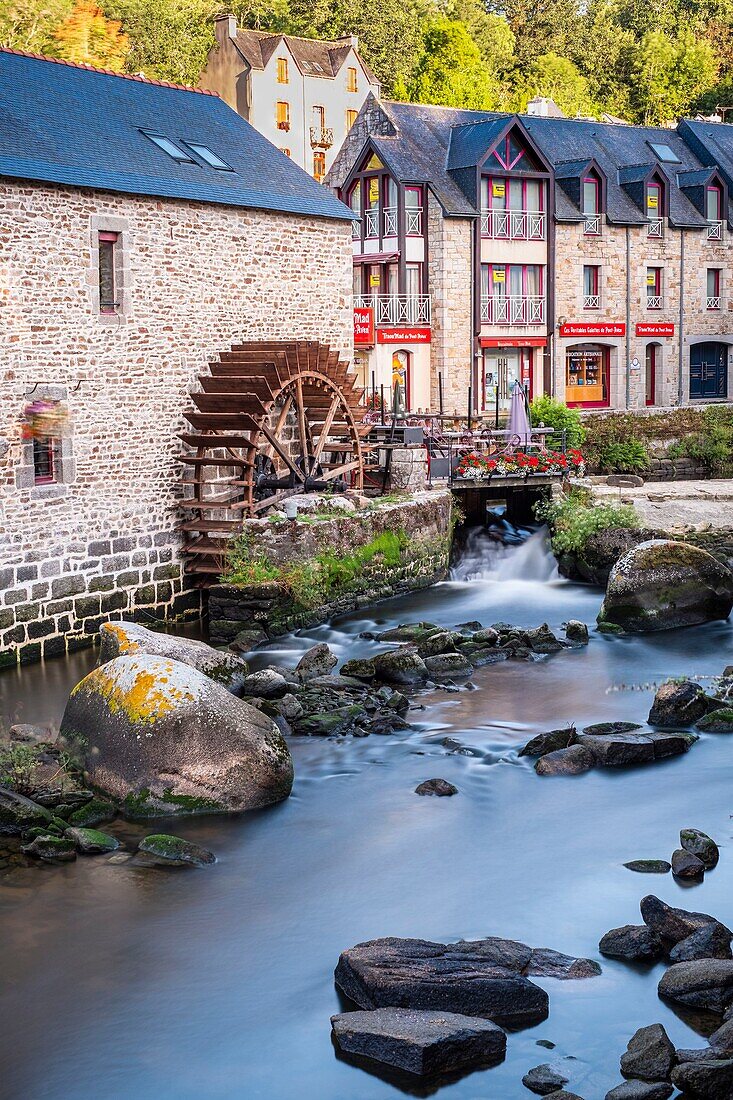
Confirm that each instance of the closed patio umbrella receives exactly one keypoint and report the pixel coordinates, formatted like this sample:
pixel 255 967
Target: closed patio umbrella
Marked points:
pixel 520 429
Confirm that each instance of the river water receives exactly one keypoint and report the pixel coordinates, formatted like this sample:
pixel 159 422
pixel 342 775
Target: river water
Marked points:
pixel 121 982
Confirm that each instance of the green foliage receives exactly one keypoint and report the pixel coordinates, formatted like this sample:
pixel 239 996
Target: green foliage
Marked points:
pixel 712 445
pixel 317 581
pixel 450 71
pixel 561 80
pixel 18 765
pixel 628 457
pixel 553 414
pixel 669 73
pixel 244 566
pixel 573 519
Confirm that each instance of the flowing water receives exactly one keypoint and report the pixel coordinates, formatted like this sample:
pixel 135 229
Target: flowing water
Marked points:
pixel 120 982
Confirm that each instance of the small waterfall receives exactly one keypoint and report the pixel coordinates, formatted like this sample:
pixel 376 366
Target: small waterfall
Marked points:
pixel 487 558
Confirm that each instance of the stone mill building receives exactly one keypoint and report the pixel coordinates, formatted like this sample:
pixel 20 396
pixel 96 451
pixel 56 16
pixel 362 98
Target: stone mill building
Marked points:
pixel 145 229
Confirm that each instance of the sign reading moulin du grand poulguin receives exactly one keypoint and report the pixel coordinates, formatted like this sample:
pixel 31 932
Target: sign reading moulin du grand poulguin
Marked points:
pixel 363 325
pixel 644 328
pixel 403 336
pixel 595 328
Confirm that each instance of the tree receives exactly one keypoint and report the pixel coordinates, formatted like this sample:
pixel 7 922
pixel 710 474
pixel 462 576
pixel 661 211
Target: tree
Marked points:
pixel 30 24
pixel 450 71
pixel 670 74
pixel 169 39
pixel 491 33
pixel 559 79
pixel 539 26
pixel 88 37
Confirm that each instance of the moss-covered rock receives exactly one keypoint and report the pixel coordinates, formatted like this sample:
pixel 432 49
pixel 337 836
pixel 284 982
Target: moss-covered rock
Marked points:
pixel 662 584
pixel 164 850
pixel 95 812
pixel 401 666
pixel 123 638
pixel 51 849
pixel 361 668
pixel 717 721
pixel 18 814
pixel 91 842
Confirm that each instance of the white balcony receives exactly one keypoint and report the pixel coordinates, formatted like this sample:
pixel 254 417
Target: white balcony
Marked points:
pixel 591 301
pixel 321 137
pixel 356 231
pixel 715 231
pixel 396 309
pixel 413 221
pixel 390 221
pixel 371 222
pixel 591 225
pixel 655 228
pixel 654 301
pixel 513 225
pixel 712 302
pixel 513 310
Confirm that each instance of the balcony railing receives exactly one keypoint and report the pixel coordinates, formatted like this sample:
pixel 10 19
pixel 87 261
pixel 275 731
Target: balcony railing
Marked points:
pixel 655 228
pixel 371 222
pixel 592 225
pixel 390 221
pixel 321 137
pixel 513 225
pixel 513 310
pixel 654 301
pixel 591 301
pixel 396 309
pixel 413 221
pixel 715 231
pixel 713 302
pixel 356 230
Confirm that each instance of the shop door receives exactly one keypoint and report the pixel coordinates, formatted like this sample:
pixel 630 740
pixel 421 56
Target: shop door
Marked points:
pixel 708 371
pixel 502 368
pixel 651 374
pixel 401 382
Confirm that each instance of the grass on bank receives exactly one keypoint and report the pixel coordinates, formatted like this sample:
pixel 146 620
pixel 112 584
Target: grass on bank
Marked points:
pixel 572 519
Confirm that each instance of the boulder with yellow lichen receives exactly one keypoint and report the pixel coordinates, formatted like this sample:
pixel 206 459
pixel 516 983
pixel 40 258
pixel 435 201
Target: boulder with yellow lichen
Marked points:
pixel 162 738
pixel 121 638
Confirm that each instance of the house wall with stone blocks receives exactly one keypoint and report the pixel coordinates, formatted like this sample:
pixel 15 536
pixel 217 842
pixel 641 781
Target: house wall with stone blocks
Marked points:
pixel 450 282
pixel 100 540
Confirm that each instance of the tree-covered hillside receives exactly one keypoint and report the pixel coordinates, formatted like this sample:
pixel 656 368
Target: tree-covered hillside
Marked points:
pixel 649 62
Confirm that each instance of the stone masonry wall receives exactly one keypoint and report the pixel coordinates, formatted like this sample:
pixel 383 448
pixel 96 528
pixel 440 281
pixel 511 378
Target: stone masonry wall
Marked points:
pixel 450 278
pixel 100 541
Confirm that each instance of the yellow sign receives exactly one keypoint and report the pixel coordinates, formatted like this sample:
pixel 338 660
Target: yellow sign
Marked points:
pixel 498 189
pixel 499 275
pixel 651 279
pixel 374 280
pixel 652 201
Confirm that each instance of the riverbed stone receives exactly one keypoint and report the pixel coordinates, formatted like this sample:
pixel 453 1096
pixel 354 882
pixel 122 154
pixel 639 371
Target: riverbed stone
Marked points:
pixel 708 1080
pixel 641 1090
pixel 678 704
pixel 448 664
pixel 633 942
pixel 649 866
pixel 571 761
pixel 423 1042
pixel 551 741
pixel 18 813
pixel 710 942
pixel 717 721
pixel 542 640
pixel 611 729
pixel 546 963
pixel 649 1054
pixel 576 632
pixel 360 668
pixel 164 850
pixel 668 744
pixel 721 1041
pixel 703 983
pixel 125 638
pixel 618 750
pixel 316 661
pixel 92 842
pixel 401 666
pixel 686 865
pixel 544 1080
pixel 463 977
pixel 440 787
pixel 662 585
pixel 435 644
pixel 51 849
pixel 265 684
pixel 406 632
pixel 669 923
pixel 95 812
pixel 161 737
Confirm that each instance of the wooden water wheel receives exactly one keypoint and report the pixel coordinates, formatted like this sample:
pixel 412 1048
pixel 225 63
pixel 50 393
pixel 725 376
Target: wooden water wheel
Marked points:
pixel 274 419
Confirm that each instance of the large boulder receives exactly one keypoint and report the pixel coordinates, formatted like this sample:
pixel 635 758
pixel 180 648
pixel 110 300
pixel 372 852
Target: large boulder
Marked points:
pixel 633 942
pixel 670 924
pixel 600 552
pixel 424 1043
pixel 678 704
pixel 400 666
pixel 662 584
pixel 705 1080
pixel 162 738
pixel 649 1055
pixel 470 978
pixel 18 813
pixel 125 639
pixel 704 983
pixel 710 942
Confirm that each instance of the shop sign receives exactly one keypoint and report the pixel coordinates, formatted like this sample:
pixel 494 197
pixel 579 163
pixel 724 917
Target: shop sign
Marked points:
pixel 514 342
pixel 403 336
pixel 499 275
pixel 645 329
pixel 498 189
pixel 363 325
pixel 597 328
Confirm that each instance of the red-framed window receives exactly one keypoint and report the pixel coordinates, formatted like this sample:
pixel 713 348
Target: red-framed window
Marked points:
pixel 654 200
pixel 107 264
pixel 509 153
pixel 654 288
pixel 591 286
pixel 713 203
pixel 44 461
pixel 713 288
pixel 512 280
pixel 414 211
pixel 591 195
pixel 650 394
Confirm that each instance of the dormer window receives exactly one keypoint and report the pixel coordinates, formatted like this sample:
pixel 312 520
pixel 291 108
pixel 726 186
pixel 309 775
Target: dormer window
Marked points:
pixel 591 206
pixel 714 212
pixel 654 208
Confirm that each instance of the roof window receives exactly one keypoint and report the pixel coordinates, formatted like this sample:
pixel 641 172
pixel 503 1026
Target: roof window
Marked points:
pixel 208 156
pixel 664 153
pixel 168 147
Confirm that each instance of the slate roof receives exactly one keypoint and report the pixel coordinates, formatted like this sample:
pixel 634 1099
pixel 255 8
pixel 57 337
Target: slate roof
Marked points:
pixel 435 145
pixel 71 124
pixel 712 143
pixel 313 56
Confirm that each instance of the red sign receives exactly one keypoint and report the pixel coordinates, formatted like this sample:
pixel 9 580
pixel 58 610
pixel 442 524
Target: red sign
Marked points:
pixel 644 329
pixel 363 325
pixel 519 342
pixel 591 328
pixel 403 335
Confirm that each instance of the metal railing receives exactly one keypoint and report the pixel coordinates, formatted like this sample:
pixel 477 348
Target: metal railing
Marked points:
pixel 371 222
pixel 321 137
pixel 413 221
pixel 356 230
pixel 396 309
pixel 390 221
pixel 513 225
pixel 654 301
pixel 655 228
pixel 591 301
pixel 712 301
pixel 592 225
pixel 715 231
pixel 513 310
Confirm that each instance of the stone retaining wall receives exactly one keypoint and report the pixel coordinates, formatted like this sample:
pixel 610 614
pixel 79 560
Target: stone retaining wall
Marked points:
pixel 270 606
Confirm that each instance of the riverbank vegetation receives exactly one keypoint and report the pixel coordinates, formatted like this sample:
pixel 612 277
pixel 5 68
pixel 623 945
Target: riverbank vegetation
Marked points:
pixel 647 64
pixel 573 518
pixel 627 442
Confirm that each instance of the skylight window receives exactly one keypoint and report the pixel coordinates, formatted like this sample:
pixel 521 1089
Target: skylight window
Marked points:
pixel 664 153
pixel 209 156
pixel 168 147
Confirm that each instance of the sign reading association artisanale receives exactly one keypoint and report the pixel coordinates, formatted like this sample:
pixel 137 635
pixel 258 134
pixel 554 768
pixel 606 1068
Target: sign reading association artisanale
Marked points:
pixel 646 329
pixel 593 328
pixel 363 325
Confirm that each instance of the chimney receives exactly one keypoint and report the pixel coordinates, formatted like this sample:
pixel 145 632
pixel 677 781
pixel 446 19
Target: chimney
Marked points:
pixel 350 40
pixel 225 27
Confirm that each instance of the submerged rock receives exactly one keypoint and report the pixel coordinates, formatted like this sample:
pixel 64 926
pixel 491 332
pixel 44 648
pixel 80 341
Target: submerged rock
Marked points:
pixel 163 850
pixel 440 787
pixel 159 736
pixel 421 1042
pixel 662 585
pixel 633 942
pixel 544 1080
pixel 704 983
pixel 649 866
pixel 546 963
pixel 571 761
pixel 91 842
pixel 649 1055
pixel 125 639
pixel 678 703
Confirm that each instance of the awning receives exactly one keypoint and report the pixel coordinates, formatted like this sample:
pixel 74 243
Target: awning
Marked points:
pixel 376 257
